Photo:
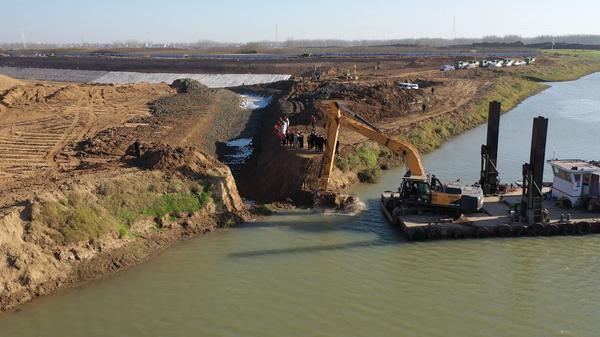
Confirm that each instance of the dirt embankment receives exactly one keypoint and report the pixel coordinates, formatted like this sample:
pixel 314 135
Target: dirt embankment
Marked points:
pixel 278 173
pixel 7 83
pixel 107 221
pixel 200 117
pixel 76 200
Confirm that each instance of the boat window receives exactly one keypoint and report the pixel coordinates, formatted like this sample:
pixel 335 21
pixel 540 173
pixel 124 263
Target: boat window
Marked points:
pixel 586 178
pixel 556 171
pixel 562 174
pixel 577 178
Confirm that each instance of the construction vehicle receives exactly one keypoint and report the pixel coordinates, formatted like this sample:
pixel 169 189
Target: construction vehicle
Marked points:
pixel 530 60
pixel 316 75
pixel 352 73
pixel 418 191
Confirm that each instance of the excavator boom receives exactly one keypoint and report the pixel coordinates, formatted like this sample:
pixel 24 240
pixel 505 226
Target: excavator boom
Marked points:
pixel 336 119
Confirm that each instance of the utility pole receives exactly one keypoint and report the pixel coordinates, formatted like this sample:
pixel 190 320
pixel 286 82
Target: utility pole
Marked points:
pixel 454 28
pixel 23 39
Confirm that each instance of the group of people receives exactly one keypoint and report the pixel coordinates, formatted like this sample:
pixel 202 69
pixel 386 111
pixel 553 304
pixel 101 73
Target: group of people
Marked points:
pixel 293 139
pixel 314 141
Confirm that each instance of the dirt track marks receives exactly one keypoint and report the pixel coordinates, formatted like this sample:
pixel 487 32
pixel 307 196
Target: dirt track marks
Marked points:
pixel 25 145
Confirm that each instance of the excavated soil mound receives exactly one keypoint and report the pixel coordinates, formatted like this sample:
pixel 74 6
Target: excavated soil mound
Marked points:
pixel 82 94
pixel 8 82
pixel 201 118
pixel 373 101
pixel 194 164
pixel 187 84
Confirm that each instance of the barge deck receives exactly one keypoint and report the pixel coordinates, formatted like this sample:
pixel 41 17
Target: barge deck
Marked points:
pixel 498 218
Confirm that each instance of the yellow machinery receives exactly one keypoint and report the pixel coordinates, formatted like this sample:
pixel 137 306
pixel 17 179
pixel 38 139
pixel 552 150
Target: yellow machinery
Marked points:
pixel 418 191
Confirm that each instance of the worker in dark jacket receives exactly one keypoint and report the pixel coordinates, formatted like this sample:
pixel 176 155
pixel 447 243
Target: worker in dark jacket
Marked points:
pixel 136 148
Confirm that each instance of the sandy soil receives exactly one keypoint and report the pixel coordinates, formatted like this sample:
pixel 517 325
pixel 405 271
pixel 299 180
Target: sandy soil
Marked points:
pixel 40 121
pixel 7 82
pixel 57 139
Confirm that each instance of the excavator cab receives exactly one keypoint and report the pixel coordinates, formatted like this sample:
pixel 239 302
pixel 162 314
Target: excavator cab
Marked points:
pixel 415 192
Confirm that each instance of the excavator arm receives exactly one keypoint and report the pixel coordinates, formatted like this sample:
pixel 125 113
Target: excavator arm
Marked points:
pixel 411 155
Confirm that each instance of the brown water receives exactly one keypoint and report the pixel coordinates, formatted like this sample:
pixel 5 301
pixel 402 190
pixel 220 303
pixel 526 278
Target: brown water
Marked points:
pixel 308 274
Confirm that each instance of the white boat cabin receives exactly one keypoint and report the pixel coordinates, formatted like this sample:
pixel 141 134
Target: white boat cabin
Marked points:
pixel 574 179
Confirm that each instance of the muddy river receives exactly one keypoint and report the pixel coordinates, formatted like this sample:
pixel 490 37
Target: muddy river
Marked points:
pixel 304 274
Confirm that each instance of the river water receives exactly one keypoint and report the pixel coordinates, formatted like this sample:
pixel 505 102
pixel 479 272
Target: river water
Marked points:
pixel 306 274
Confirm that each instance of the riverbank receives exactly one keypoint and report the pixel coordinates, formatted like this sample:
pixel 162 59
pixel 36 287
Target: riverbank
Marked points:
pixel 92 181
pixel 510 86
pixel 561 65
pixel 89 228
pixel 507 89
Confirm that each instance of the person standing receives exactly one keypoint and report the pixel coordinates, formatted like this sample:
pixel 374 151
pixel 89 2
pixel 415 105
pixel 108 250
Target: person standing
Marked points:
pixel 286 124
pixel 313 120
pixel 301 140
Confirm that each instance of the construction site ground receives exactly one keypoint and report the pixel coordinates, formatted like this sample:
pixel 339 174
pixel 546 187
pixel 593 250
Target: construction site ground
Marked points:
pixel 54 132
pixel 53 117
pixel 375 96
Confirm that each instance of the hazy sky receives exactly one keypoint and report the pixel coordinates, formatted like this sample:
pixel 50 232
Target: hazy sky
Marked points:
pixel 238 21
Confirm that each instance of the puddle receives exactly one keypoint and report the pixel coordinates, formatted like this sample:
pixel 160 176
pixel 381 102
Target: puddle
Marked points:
pixel 238 151
pixel 254 102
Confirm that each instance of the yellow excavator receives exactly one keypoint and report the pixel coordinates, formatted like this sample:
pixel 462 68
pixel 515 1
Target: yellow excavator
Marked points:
pixel 418 192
